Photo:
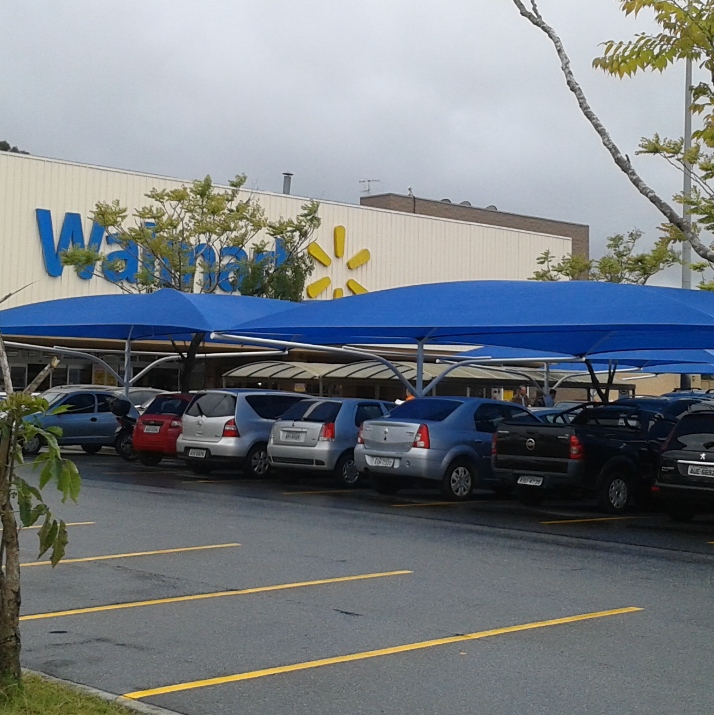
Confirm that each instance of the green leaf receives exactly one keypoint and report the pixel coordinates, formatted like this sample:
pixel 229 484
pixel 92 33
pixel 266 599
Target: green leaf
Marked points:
pixel 60 544
pixel 48 535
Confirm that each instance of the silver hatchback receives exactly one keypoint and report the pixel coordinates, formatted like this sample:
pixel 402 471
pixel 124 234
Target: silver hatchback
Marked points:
pixel 446 440
pixel 231 428
pixel 320 435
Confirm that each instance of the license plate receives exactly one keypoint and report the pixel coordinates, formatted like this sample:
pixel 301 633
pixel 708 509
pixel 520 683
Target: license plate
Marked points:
pixel 531 481
pixel 197 453
pixel 696 470
pixel 381 461
pixel 151 429
pixel 292 436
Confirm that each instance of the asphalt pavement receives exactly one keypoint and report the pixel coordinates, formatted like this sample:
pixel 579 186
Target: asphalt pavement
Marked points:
pixel 229 595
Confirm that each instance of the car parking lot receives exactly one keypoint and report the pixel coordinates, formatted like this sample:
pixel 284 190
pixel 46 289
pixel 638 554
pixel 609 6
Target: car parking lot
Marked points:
pixel 235 594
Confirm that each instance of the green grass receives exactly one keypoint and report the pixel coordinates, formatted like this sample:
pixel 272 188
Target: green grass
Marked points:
pixel 38 697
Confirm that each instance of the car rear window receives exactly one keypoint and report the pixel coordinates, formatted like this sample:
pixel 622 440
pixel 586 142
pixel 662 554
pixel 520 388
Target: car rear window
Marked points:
pixel 298 410
pixel 695 432
pixel 213 404
pixel 426 408
pixel 270 407
pixel 609 417
pixel 323 412
pixel 167 406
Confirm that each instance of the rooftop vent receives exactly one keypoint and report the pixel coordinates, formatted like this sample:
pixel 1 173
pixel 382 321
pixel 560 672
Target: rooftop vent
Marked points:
pixel 464 203
pixel 446 201
pixel 492 208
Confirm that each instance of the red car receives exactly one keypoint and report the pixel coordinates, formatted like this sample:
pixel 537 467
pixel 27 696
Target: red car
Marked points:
pixel 156 430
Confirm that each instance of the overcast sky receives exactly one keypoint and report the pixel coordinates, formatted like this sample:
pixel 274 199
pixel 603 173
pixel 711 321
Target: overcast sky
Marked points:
pixel 458 98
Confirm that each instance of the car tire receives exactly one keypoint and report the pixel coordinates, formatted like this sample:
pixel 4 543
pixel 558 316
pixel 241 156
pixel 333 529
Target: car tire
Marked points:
pixel 32 446
pixel 124 446
pixel 91 448
pixel 150 459
pixel 530 496
pixel 615 492
pixel 459 480
pixel 257 462
pixel 681 513
pixel 382 484
pixel 200 468
pixel 346 473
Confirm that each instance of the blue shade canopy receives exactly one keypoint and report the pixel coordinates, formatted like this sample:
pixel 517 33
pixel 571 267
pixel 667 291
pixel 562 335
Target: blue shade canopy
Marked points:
pixel 571 317
pixel 139 316
pixel 681 368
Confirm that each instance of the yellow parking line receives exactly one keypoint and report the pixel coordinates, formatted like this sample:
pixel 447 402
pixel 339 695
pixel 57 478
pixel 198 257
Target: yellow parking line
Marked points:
pixel 372 654
pixel 217 594
pixel 71 523
pixel 324 491
pixel 585 521
pixel 136 553
pixel 430 503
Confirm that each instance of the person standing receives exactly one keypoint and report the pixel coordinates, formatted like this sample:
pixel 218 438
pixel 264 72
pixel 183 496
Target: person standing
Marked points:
pixel 521 396
pixel 549 399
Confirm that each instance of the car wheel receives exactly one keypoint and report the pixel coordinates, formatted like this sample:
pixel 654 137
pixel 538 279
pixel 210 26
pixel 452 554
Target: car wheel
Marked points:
pixel 150 459
pixel 201 468
pixel 382 484
pixel 346 473
pixel 32 446
pixel 124 446
pixel 257 462
pixel 91 448
pixel 458 482
pixel 615 492
pixel 530 496
pixel 682 513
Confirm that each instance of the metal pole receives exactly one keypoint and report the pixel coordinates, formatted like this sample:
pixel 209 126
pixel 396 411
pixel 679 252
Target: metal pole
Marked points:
pixel 127 366
pixel 685 381
pixel 420 369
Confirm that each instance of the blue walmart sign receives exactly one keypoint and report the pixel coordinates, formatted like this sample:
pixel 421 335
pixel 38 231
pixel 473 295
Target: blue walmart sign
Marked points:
pixel 72 235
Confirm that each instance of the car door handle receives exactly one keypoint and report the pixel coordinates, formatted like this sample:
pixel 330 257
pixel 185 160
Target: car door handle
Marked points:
pixel 92 419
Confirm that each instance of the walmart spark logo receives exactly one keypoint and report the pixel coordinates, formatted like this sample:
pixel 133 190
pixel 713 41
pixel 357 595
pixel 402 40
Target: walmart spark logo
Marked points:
pixel 360 258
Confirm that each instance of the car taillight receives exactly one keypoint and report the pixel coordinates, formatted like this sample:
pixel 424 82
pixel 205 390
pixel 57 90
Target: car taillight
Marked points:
pixel 576 447
pixel 422 438
pixel 493 444
pixel 230 429
pixel 327 433
pixel 175 423
pixel 360 436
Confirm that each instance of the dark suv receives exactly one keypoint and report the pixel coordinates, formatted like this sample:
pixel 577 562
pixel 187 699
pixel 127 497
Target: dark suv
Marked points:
pixel 685 478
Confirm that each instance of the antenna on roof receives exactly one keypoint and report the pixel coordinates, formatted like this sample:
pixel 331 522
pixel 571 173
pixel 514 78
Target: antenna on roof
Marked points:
pixel 368 185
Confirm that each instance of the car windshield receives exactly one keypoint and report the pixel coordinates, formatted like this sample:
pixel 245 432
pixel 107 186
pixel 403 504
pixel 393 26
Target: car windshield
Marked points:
pixel 425 408
pixel 53 397
pixel 323 412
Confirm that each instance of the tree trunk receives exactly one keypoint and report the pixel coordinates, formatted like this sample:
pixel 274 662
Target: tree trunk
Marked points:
pixel 189 361
pixel 10 576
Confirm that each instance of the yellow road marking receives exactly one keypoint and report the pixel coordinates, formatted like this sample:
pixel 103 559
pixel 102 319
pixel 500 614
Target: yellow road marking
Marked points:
pixel 217 594
pixel 136 553
pixel 430 503
pixel 585 521
pixel 324 491
pixel 372 654
pixel 71 523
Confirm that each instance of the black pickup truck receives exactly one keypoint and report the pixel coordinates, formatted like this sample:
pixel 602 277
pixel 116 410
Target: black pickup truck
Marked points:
pixel 610 451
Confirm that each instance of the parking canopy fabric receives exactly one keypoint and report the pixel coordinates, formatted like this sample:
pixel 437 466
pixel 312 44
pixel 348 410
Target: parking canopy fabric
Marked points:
pixel 137 316
pixel 571 317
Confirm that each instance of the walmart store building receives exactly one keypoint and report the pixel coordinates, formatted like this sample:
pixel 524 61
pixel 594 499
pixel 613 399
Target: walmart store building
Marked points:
pixel 387 241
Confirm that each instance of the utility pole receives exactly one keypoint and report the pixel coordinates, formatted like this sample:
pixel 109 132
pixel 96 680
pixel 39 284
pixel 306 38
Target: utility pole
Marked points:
pixel 686 380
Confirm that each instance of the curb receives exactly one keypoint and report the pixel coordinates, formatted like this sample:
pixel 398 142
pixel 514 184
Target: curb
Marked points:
pixel 128 703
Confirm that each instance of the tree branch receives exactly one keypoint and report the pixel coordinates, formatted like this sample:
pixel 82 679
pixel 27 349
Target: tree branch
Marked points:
pixel 535 18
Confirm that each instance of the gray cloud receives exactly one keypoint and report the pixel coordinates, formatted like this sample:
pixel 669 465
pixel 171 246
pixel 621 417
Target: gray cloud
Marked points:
pixel 460 98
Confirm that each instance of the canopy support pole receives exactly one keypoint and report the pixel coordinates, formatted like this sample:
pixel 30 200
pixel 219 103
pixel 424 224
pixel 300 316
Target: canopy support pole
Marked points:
pixel 75 353
pixel 127 365
pixel 546 379
pixel 288 344
pixel 420 369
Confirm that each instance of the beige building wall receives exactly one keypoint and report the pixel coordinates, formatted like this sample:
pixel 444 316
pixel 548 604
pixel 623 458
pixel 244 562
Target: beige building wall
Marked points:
pixel 357 248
